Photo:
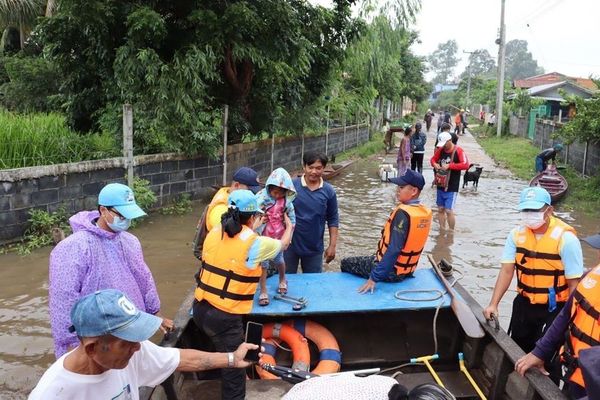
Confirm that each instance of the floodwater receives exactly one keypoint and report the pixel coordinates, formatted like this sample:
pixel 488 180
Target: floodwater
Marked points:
pixel 484 217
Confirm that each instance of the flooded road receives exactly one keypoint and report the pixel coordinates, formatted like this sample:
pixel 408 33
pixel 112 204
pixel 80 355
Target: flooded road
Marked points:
pixel 484 218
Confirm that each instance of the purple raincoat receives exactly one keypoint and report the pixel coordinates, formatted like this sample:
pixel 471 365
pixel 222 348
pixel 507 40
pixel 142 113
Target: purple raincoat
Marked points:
pixel 92 259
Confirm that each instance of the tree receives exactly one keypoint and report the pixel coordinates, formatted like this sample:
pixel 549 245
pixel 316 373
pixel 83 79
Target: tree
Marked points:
pixel 443 60
pixel 519 61
pixel 585 125
pixel 397 12
pixel 20 14
pixel 482 64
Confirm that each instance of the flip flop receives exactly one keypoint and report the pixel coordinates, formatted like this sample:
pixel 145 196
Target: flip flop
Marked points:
pixel 263 299
pixel 282 289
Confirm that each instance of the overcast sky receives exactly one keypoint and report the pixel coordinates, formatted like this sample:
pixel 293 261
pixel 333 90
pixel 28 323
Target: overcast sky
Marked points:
pixel 563 36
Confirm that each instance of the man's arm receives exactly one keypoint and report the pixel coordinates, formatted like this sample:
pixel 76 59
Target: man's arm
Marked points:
pixel 333 221
pixel 572 259
pixel 196 360
pixel 507 270
pixel 435 159
pixel 463 161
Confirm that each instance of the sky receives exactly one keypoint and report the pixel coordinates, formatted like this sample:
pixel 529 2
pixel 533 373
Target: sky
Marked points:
pixel 562 35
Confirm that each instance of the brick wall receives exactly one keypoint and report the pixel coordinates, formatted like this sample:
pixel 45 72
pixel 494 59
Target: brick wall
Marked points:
pixel 75 186
pixel 573 154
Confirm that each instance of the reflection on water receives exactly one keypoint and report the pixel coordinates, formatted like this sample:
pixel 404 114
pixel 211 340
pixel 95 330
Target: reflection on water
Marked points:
pixel 484 218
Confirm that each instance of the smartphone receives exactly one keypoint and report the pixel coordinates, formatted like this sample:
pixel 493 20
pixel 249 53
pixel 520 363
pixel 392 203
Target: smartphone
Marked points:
pixel 254 336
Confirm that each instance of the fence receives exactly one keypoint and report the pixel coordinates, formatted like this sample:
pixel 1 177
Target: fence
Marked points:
pixel 75 186
pixel 583 157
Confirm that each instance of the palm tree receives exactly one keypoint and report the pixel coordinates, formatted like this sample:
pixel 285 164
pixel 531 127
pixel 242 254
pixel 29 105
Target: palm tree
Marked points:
pixel 20 14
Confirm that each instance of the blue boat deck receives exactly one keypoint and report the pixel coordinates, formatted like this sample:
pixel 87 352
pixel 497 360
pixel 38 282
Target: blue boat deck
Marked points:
pixel 336 292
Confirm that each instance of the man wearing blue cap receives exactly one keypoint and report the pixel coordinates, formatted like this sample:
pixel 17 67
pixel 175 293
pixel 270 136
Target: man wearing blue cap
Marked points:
pixel 100 254
pixel 243 178
pixel 547 257
pixel 580 320
pixel 403 237
pixel 114 356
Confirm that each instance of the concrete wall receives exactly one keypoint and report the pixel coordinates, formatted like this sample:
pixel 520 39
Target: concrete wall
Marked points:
pixel 75 186
pixel 573 154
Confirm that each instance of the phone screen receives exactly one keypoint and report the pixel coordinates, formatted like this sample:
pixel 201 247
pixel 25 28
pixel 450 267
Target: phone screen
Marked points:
pixel 254 336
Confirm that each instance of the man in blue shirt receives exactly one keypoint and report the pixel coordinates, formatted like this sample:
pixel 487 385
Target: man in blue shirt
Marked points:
pixel 402 240
pixel 315 205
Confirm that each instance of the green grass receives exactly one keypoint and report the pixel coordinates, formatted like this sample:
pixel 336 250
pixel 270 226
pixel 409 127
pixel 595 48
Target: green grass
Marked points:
pixel 44 139
pixel 373 146
pixel 518 154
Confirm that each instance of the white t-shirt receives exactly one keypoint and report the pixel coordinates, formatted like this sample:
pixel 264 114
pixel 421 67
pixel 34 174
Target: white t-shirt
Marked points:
pixel 149 366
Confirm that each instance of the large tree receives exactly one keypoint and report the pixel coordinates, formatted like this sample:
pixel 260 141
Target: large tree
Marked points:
pixel 519 61
pixel 443 61
pixel 482 64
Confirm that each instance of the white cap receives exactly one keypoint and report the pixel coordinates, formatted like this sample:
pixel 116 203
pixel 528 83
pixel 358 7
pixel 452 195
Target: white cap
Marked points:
pixel 443 138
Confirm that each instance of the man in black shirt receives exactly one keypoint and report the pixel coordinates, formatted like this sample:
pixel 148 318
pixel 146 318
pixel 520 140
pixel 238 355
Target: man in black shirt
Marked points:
pixel 541 160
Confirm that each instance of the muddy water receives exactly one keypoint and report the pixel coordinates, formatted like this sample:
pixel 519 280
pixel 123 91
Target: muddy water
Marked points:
pixel 484 218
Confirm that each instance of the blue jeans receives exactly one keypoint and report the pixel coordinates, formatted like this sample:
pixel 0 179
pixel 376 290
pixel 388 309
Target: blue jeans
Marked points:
pixel 540 165
pixel 310 264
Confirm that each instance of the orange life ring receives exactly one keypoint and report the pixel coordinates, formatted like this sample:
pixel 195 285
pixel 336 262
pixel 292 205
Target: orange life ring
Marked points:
pixel 330 357
pixel 297 342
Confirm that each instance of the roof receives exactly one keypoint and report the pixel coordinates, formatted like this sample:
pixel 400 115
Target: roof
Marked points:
pixel 538 91
pixel 553 77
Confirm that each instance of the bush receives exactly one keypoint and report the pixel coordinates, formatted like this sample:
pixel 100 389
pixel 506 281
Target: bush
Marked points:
pixel 44 229
pixel 43 139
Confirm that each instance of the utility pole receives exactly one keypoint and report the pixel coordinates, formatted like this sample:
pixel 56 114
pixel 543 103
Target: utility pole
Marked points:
pixel 468 105
pixel 501 53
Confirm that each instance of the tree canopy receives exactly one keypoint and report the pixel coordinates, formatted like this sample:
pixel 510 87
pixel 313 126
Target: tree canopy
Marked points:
pixel 519 61
pixel 443 61
pixel 482 64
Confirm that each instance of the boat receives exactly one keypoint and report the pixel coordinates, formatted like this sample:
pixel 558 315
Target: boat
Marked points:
pixel 552 181
pixel 331 170
pixel 382 330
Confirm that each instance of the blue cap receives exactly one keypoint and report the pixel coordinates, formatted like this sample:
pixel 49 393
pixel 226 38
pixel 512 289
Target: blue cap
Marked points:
pixel 121 198
pixel 593 241
pixel 534 198
pixel 412 178
pixel 247 176
pixel 244 201
pixel 110 312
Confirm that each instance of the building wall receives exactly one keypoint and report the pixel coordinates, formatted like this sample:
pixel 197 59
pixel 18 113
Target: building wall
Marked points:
pixel 75 186
pixel 573 154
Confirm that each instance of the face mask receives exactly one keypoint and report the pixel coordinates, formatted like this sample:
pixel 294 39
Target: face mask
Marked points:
pixel 533 220
pixel 119 224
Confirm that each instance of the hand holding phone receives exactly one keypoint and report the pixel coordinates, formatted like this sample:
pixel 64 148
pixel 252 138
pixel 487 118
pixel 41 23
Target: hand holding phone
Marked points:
pixel 254 336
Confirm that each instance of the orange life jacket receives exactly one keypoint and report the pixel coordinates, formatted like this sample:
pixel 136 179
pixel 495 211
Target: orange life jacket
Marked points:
pixel 538 263
pixel 225 281
pixel 584 330
pixel 457 119
pixel 418 231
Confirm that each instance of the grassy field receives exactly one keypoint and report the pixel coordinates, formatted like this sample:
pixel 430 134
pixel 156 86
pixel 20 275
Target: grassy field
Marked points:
pixel 518 155
pixel 43 139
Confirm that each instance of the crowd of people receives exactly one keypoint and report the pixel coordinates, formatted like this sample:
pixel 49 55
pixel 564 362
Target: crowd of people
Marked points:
pixel 104 305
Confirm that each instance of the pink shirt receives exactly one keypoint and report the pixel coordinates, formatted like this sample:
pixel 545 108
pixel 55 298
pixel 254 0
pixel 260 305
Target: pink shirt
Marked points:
pixel 275 226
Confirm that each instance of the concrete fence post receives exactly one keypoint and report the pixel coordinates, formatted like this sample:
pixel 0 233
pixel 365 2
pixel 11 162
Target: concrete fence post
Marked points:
pixel 225 118
pixel 128 142
pixel 585 156
pixel 272 150
pixel 344 135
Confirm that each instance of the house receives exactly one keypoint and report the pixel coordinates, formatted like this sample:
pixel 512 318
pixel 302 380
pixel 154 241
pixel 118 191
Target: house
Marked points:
pixel 441 87
pixel 548 87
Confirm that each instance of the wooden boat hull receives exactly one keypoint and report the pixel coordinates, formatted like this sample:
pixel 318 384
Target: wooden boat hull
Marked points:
pixel 375 330
pixel 552 181
pixel 331 170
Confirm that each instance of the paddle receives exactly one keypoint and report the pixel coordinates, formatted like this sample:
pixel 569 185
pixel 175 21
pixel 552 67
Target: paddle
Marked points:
pixel 463 313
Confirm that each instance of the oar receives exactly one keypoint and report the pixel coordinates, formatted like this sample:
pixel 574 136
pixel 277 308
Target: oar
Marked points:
pixel 463 313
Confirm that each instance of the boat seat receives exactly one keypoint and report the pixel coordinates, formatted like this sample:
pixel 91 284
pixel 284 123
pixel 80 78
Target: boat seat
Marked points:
pixel 455 381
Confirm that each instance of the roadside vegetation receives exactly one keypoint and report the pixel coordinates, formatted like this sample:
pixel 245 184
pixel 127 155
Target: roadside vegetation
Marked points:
pixel 518 154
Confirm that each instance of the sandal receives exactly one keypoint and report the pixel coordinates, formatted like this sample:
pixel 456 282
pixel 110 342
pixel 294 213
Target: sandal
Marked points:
pixel 263 299
pixel 282 289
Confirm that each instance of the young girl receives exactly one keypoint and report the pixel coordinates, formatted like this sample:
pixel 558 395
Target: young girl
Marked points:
pixel 275 200
pixel 403 159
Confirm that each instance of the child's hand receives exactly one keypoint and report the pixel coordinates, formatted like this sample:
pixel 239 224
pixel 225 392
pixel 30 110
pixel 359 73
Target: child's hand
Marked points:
pixel 264 219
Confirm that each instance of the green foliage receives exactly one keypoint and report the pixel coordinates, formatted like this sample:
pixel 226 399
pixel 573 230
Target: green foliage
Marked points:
pixel 44 228
pixel 443 60
pixel 519 61
pixel 585 125
pixel 182 206
pixel 30 84
pixel 482 65
pixel 43 139
pixel 374 146
pixel 144 196
pixel 523 102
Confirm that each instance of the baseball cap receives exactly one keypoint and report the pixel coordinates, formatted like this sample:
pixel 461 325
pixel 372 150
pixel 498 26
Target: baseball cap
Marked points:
pixel 109 311
pixel 443 138
pixel 121 198
pixel 247 176
pixel 593 241
pixel 411 177
pixel 244 201
pixel 534 198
